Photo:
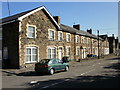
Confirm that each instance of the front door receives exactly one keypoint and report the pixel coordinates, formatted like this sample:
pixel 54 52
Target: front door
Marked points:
pixel 60 55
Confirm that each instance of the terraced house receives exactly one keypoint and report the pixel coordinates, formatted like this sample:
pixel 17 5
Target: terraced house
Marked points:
pixel 35 34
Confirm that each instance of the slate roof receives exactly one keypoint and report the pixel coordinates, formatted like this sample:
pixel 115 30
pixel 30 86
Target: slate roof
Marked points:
pixel 104 36
pixel 76 31
pixel 16 16
pixel 68 29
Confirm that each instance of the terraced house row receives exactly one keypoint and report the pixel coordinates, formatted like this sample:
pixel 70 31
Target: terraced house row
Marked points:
pixel 35 34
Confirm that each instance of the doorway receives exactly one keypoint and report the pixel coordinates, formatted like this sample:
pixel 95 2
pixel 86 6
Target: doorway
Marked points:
pixel 60 54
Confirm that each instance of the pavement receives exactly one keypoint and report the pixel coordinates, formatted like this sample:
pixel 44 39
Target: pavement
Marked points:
pixel 27 70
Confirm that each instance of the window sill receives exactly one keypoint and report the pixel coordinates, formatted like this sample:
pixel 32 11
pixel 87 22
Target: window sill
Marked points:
pixel 31 37
pixel 30 62
pixel 51 40
pixel 60 40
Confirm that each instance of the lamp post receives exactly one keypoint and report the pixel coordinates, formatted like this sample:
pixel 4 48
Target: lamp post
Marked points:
pixel 98 44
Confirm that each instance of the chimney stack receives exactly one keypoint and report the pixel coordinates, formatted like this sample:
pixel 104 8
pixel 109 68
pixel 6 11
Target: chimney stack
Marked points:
pixel 77 26
pixel 112 35
pixel 89 31
pixel 57 19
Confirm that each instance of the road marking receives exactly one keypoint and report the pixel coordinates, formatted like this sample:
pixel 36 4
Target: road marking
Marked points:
pixel 65 80
pixel 88 72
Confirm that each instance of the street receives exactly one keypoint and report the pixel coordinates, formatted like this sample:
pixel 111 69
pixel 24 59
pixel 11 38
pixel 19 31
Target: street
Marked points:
pixel 103 73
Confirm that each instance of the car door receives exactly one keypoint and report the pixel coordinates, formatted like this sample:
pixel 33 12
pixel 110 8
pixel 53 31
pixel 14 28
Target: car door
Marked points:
pixel 55 64
pixel 61 64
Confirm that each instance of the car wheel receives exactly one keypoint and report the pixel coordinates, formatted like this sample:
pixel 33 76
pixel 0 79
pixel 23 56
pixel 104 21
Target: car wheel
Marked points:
pixel 66 68
pixel 51 71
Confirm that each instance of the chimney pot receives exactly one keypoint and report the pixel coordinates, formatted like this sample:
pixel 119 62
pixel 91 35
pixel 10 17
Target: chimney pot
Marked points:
pixel 112 35
pixel 89 31
pixel 77 26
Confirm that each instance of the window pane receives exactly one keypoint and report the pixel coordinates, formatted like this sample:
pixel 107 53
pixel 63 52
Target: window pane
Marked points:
pixel 34 51
pixel 69 51
pixel 34 57
pixel 49 53
pixel 28 58
pixel 31 31
pixel 29 34
pixel 28 51
pixel 51 35
pixel 60 36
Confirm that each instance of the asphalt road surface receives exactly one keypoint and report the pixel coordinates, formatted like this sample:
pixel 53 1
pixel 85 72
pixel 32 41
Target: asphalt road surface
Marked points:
pixel 86 74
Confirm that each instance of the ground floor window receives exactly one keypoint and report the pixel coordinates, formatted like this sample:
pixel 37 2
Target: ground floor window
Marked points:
pixel 31 54
pixel 68 51
pixel 51 52
pixel 77 51
pixel 89 50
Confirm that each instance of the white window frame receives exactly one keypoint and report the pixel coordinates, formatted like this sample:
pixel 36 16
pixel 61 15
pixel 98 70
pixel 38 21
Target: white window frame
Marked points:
pixel 77 38
pixel 60 38
pixel 67 51
pixel 51 54
pixel 68 39
pixel 89 43
pixel 82 39
pixel 49 35
pixel 89 50
pixel 77 51
pixel 29 31
pixel 31 54
pixel 85 40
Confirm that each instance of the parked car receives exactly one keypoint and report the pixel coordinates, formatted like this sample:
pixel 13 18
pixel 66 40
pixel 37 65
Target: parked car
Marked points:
pixel 51 65
pixel 91 55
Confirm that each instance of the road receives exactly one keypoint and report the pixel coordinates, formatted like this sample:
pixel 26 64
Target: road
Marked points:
pixel 102 73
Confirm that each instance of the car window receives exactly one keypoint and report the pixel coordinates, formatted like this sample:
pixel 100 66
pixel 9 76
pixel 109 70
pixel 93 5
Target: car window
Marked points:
pixel 60 61
pixel 54 62
pixel 44 61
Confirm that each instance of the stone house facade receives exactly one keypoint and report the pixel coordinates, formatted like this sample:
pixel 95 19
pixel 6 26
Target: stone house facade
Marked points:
pixel 105 44
pixel 33 35
pixel 112 43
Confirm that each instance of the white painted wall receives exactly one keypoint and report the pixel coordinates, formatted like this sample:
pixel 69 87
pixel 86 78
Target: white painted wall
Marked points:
pixel 106 51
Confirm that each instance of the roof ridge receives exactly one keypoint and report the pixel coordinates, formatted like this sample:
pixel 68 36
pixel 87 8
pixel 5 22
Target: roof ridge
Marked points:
pixel 17 15
pixel 78 30
pixel 21 12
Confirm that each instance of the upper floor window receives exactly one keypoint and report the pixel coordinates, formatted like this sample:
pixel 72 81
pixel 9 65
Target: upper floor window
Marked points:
pixel 68 37
pixel 77 39
pixel 31 31
pixel 89 43
pixel 85 40
pixel 82 39
pixel 60 36
pixel 51 35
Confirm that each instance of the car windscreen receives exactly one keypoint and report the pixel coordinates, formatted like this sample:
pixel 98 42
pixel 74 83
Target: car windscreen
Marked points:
pixel 44 61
